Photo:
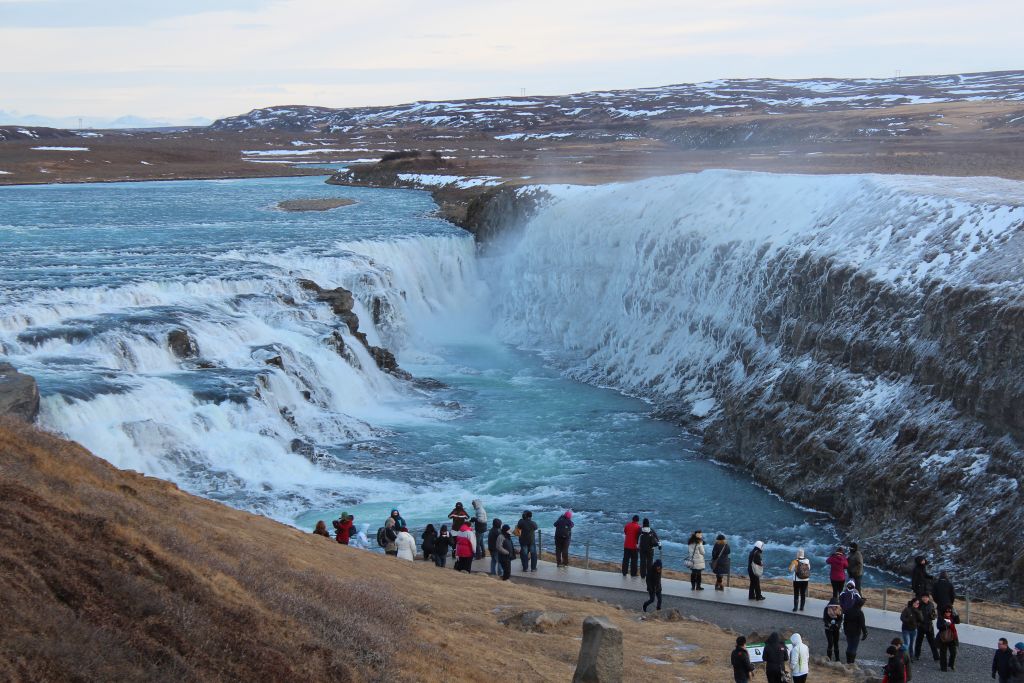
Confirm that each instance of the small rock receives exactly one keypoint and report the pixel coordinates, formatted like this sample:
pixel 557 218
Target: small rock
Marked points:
pixel 182 344
pixel 600 659
pixel 276 361
pixel 19 394
pixel 536 620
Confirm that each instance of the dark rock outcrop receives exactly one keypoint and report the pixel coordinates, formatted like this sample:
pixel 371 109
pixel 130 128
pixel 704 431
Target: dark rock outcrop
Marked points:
pixel 182 344
pixel 496 211
pixel 19 394
pixel 600 659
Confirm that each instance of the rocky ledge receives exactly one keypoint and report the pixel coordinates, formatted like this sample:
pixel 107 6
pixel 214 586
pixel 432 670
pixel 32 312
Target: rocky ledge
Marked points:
pixel 314 204
pixel 19 394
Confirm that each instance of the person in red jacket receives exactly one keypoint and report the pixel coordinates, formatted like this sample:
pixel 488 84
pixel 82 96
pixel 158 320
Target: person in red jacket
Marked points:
pixel 343 528
pixel 837 574
pixel 465 548
pixel 631 546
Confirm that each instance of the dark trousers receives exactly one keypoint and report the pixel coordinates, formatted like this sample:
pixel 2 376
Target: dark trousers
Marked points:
pixel 856 582
pixel 799 594
pixel 480 544
pixel 646 560
pixel 695 577
pixel 528 552
pixel 464 564
pixel 755 587
pixel 653 596
pixel 832 637
pixel 506 566
pixel 837 588
pixel 441 558
pixel 852 643
pixel 773 676
pixel 947 655
pixel 927 630
pixel 629 561
pixel 562 551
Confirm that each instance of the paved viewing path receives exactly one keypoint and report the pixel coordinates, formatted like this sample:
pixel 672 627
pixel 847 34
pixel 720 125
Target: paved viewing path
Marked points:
pixel 778 602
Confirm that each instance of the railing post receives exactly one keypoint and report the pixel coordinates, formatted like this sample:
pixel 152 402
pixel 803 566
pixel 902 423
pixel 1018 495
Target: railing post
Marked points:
pixel 728 580
pixel 540 546
pixel 588 554
pixel 885 597
pixel 967 608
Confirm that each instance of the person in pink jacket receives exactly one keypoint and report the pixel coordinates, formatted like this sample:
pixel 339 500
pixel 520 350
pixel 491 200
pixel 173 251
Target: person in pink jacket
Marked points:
pixel 837 574
pixel 465 549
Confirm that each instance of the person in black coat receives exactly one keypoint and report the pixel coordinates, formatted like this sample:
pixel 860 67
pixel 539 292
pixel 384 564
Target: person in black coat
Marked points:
pixel 653 585
pixel 442 544
pixel 1004 664
pixel 927 627
pixel 833 618
pixel 720 561
pixel 755 568
pixel 943 591
pixel 920 579
pixel 895 670
pixel 429 540
pixel 648 542
pixel 740 660
pixel 856 629
pixel 775 658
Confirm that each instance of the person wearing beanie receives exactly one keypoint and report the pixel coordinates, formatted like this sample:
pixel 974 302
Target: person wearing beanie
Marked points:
pixel 405 545
pixel 1018 656
pixel 755 569
pixel 653 585
pixel 855 568
pixel 800 571
pixel 506 551
pixel 648 542
pixel 837 563
pixel 740 659
pixel 720 561
pixel 563 536
pixel 850 597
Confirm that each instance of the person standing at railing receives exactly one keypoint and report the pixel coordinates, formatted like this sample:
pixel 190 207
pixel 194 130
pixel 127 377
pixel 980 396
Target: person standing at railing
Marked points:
pixel 721 562
pixel 800 571
pixel 943 591
pixel 648 542
pixel 526 530
pixel 855 568
pixel 563 536
pixel 630 546
pixel 695 561
pixel 837 573
pixel 755 569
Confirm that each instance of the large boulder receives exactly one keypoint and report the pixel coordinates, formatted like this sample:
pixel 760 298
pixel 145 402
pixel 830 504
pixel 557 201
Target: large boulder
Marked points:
pixel 600 658
pixel 19 394
pixel 182 344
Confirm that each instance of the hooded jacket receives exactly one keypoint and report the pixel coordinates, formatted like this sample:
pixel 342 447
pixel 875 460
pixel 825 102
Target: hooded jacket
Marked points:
pixel 648 540
pixel 492 536
pixel 481 515
pixel 854 623
pixel 799 656
pixel 856 564
pixel 944 593
pixel 406 546
pixel 833 622
pixel 838 563
pixel 774 654
pixel 755 557
pixel 720 560
pixel 920 579
pixel 465 542
pixel 563 527
pixel 360 540
pixel 696 554
pixel 850 597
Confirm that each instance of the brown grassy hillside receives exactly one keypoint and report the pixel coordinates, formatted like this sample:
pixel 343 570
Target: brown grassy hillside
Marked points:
pixel 112 576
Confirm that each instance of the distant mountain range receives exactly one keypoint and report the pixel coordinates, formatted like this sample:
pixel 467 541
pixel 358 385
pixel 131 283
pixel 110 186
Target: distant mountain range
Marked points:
pixel 74 122
pixel 624 108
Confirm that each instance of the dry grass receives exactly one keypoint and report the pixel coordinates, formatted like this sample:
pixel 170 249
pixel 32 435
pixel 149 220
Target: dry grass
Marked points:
pixel 109 575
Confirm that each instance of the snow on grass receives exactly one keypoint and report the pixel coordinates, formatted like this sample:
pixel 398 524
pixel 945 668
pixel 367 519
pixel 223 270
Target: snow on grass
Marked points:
pixel 436 180
pixel 531 136
pixel 61 149
pixel 292 152
pixel 5 173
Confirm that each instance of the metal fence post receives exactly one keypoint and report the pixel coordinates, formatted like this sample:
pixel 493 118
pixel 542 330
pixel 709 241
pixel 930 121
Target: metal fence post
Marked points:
pixel 587 545
pixel 540 546
pixel 967 607
pixel 885 597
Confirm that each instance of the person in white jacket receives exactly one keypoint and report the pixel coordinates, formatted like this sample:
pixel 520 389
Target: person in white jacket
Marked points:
pixel 799 659
pixel 360 540
pixel 800 573
pixel 406 545
pixel 695 559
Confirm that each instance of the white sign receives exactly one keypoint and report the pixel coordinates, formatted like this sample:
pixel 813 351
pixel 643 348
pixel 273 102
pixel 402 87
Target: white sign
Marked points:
pixel 756 651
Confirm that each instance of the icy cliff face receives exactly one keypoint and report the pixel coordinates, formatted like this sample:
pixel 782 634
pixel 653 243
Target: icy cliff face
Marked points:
pixel 855 342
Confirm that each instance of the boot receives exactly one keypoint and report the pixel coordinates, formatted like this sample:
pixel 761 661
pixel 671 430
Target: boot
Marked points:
pixel 850 657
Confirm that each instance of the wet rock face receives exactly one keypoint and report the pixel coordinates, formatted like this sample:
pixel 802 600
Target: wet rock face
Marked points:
pixel 19 394
pixel 182 344
pixel 899 411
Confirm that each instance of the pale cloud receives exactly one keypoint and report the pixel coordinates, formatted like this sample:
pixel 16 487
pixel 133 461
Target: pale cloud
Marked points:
pixel 226 56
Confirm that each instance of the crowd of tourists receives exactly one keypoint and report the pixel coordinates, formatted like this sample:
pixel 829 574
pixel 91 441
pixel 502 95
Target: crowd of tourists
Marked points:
pixel 929 617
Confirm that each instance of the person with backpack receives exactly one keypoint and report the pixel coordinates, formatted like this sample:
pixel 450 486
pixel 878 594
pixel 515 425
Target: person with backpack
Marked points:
pixel 429 537
pixel 720 561
pixel 755 569
pixel 479 526
pixel 949 639
pixel 943 591
pixel 360 540
pixel 653 580
pixel 833 618
pixel 850 597
pixel 442 546
pixel 631 546
pixel 321 529
pixel 465 548
pixel 775 658
pixel 563 537
pixel 855 628
pixel 695 562
pixel 910 621
pixel 740 660
pixel 387 534
pixel 405 545
pixel 646 544
pixel 855 568
pixel 920 579
pixel 837 563
pixel 894 671
pixel 526 530
pixel 343 528
pixel 904 657
pixel 926 629
pixel 492 547
pixel 506 551
pixel 799 659
pixel 800 569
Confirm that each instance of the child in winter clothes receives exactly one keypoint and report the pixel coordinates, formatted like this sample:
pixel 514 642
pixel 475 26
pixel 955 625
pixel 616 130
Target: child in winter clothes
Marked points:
pixel 654 585
pixel 799 659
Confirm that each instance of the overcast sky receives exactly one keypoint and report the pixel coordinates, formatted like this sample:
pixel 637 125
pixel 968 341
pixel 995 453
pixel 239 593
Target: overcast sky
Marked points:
pixel 176 59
